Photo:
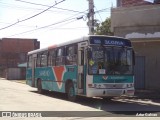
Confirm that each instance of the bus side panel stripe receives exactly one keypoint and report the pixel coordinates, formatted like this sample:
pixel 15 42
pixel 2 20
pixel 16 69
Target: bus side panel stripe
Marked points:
pixel 59 72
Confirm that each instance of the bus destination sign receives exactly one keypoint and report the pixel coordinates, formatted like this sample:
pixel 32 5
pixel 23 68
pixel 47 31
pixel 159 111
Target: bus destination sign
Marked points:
pixel 110 41
pixel 113 42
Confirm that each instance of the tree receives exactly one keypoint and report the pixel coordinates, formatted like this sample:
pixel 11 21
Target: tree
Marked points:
pixel 104 28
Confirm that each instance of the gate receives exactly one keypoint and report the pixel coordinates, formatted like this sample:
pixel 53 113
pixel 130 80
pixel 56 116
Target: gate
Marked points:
pixel 139 72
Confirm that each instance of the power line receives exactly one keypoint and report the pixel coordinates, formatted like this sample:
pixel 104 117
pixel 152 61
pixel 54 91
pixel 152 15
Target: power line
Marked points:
pixel 105 9
pixel 30 8
pixel 71 17
pixel 31 16
pixel 73 28
pixel 18 25
pixel 36 26
pixel 59 26
pixel 98 14
pixel 97 11
pixel 48 6
pixel 65 20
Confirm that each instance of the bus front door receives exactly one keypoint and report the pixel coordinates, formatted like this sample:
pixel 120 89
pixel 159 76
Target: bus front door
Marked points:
pixel 81 68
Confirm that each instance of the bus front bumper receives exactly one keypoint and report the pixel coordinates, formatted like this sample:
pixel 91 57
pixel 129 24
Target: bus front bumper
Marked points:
pixel 92 92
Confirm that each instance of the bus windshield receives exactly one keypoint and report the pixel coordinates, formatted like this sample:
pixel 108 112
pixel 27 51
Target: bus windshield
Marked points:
pixel 110 60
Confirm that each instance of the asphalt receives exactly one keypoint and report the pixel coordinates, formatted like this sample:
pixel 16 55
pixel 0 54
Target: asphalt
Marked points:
pixel 139 94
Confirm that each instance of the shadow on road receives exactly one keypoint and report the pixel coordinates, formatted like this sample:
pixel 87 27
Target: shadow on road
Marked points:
pixel 118 106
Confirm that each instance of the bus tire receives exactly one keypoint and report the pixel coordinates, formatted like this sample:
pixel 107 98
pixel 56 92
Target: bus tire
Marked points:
pixel 71 92
pixel 39 87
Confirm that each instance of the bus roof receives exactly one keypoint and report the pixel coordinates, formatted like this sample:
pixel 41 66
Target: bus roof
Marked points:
pixel 84 38
pixel 57 45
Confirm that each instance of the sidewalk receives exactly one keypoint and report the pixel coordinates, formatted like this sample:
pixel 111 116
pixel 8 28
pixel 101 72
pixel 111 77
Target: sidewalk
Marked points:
pixel 147 94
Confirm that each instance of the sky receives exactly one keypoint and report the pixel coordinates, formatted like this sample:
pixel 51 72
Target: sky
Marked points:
pixel 27 19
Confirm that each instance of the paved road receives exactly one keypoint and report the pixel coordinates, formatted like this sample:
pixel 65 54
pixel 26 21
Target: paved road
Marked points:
pixel 20 97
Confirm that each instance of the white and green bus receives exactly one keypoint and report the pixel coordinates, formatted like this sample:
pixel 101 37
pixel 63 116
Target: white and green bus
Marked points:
pixel 92 66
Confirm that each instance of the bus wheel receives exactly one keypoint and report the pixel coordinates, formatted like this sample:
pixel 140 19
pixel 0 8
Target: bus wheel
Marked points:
pixel 39 86
pixel 71 92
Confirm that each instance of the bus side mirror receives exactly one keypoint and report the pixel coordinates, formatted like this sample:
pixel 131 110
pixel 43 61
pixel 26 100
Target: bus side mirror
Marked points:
pixel 133 57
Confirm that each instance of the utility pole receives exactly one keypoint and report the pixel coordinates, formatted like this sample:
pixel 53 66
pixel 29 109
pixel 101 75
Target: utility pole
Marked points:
pixel 91 17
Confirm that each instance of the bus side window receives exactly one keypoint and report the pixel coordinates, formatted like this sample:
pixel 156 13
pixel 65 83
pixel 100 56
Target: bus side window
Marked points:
pixel 60 56
pixel 71 55
pixel 29 62
pixel 51 58
pixel 44 57
pixel 38 61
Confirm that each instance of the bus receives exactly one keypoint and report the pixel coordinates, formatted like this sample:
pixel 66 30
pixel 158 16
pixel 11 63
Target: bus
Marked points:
pixel 91 66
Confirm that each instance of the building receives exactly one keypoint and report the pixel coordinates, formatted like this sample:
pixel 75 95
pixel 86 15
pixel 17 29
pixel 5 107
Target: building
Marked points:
pixel 128 3
pixel 13 51
pixel 139 21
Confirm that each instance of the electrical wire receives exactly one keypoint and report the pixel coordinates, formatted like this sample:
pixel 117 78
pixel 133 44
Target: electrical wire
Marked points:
pixel 48 6
pixel 29 26
pixel 32 16
pixel 59 27
pixel 102 10
pixel 99 15
pixel 97 11
pixel 71 17
pixel 35 26
pixel 72 28
pixel 31 9
pixel 65 20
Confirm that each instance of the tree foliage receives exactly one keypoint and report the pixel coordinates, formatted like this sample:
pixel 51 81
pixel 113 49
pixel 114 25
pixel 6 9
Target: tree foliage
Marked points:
pixel 104 28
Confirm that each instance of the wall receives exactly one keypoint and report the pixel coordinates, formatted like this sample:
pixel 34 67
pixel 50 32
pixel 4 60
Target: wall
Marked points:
pixel 150 49
pixel 136 21
pixel 126 3
pixel 15 74
pixel 13 51
pixel 17 45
